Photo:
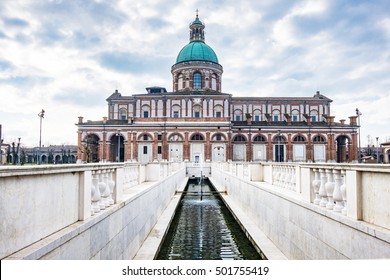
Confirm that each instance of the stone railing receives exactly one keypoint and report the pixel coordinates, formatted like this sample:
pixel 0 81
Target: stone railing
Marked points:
pixel 358 191
pixel 38 201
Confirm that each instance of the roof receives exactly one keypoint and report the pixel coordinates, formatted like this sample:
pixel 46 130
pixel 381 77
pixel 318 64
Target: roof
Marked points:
pixel 197 50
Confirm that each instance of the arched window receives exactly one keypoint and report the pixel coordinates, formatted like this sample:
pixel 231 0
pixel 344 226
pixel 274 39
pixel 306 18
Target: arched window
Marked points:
pixel 180 82
pixel 314 115
pixel 259 138
pixel 275 115
pixel 214 82
pixel 239 138
pixel 257 115
pixel 218 111
pixel 218 137
pixel 319 138
pixel 197 79
pixel 145 111
pixel 197 137
pixel 237 115
pixel 295 115
pixel 279 139
pixel 175 137
pixel 176 111
pixel 299 138
pixel 145 137
pixel 196 110
pixel 123 113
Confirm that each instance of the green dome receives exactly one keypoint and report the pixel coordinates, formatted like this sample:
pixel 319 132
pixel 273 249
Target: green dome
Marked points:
pixel 197 50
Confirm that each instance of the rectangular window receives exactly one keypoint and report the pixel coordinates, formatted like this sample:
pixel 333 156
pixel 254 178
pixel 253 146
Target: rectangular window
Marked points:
pixel 218 137
pixel 145 137
pixel 257 118
pixel 313 118
pixel 159 150
pixel 238 118
pixel 145 150
pixel 175 114
pixel 197 115
pixel 146 114
pixel 276 118
pixel 159 137
pixel 218 114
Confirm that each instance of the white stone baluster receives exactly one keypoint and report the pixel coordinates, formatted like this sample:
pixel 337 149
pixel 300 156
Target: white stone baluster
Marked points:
pixel 275 170
pixel 102 188
pixel 316 186
pixel 293 178
pixel 343 189
pixel 329 186
pixel 95 193
pixel 337 196
pixel 322 191
pixel 287 178
pixel 111 185
pixel 282 176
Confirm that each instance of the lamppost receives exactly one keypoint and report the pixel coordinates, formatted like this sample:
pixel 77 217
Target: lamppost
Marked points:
pixel 41 115
pixel 18 149
pixel 118 134
pixel 377 150
pixel 358 114
pixel 278 145
pixel 1 151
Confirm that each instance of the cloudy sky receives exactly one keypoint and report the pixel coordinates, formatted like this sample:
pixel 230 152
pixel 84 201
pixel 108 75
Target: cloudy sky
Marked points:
pixel 67 57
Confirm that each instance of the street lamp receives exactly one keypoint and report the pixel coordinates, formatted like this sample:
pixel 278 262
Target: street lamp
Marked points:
pixel 118 134
pixel 358 114
pixel 377 150
pixel 41 115
pixel 19 151
pixel 1 151
pixel 278 145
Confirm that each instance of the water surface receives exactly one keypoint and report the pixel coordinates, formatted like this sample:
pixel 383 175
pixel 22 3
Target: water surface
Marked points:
pixel 203 228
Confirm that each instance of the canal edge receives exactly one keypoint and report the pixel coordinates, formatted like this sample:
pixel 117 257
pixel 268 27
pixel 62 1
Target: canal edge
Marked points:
pixel 258 238
pixel 152 244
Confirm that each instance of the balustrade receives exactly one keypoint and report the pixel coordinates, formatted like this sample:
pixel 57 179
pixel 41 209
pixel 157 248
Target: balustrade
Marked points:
pixel 284 176
pixel 102 189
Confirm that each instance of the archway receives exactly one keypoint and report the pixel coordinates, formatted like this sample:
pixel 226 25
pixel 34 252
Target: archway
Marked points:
pixel 117 148
pixel 92 148
pixel 279 143
pixel 342 143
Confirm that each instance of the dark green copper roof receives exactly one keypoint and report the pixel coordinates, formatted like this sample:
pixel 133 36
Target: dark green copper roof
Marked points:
pixel 197 50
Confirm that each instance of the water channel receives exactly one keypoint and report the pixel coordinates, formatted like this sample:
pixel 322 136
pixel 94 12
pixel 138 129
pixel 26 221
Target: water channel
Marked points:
pixel 204 229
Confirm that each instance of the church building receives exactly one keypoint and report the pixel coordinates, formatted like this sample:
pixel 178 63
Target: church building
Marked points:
pixel 197 121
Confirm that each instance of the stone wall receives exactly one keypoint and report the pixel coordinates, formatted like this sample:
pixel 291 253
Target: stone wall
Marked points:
pixel 52 216
pixel 303 230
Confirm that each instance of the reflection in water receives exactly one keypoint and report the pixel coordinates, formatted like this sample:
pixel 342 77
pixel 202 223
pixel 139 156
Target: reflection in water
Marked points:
pixel 203 228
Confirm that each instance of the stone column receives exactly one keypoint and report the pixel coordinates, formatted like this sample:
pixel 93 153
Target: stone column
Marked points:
pixel 269 148
pixel 80 146
pixel 155 146
pixel 229 148
pixel 289 148
pixel 135 146
pixel 186 148
pixel 208 147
